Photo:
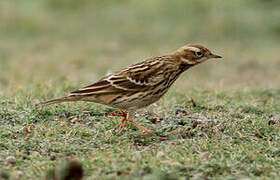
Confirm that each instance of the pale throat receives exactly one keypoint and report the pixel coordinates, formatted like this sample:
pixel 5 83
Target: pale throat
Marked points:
pixel 187 61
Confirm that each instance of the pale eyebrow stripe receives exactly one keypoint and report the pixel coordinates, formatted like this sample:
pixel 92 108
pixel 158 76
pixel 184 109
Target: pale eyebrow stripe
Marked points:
pixel 194 49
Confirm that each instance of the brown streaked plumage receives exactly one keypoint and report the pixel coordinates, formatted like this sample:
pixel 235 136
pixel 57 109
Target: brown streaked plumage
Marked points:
pixel 140 84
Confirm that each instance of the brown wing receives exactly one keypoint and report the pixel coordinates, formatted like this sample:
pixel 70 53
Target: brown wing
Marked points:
pixel 138 77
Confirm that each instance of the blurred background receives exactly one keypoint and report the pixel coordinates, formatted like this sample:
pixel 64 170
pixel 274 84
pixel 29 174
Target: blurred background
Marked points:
pixel 65 44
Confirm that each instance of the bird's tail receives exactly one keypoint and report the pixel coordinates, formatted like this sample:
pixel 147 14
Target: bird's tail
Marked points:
pixel 58 100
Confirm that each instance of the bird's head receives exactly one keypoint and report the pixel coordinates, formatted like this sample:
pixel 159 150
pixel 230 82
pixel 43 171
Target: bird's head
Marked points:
pixel 194 54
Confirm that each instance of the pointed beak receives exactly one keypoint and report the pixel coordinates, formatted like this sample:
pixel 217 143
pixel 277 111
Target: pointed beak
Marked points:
pixel 214 56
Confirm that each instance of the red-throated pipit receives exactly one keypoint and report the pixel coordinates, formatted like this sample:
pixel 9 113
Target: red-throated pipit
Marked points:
pixel 140 84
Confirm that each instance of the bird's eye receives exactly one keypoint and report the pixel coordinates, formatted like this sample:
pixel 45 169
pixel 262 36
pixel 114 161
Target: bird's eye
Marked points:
pixel 198 53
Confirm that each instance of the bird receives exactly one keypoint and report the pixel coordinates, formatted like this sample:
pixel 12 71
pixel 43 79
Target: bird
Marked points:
pixel 140 84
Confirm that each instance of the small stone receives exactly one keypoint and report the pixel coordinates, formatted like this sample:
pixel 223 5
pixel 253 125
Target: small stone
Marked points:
pixel 52 157
pixel 272 122
pixel 109 133
pixel 36 154
pixel 137 115
pixel 20 173
pixel 221 128
pixel 74 120
pixel 160 154
pixel 204 155
pixel 11 160
pixel 180 111
pixel 155 120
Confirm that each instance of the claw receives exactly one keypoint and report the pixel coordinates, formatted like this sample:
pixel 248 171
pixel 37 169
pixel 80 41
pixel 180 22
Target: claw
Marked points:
pixel 122 124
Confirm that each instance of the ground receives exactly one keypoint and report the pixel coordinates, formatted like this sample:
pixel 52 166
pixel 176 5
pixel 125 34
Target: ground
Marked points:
pixel 221 118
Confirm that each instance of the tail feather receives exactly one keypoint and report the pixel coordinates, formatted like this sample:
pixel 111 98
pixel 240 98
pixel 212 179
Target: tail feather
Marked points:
pixel 58 100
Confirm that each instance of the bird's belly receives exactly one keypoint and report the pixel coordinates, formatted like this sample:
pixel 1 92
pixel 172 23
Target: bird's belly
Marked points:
pixel 136 101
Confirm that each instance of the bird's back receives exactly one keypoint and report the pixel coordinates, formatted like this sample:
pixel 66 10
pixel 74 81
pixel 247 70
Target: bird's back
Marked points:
pixel 135 87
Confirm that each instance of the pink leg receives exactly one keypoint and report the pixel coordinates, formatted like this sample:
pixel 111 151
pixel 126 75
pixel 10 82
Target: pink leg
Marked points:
pixel 122 125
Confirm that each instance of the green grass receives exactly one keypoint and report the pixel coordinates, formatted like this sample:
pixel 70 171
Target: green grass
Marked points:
pixel 230 131
pixel 226 135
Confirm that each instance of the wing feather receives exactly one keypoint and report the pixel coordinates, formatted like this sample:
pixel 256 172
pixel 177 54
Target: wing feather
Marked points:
pixel 136 78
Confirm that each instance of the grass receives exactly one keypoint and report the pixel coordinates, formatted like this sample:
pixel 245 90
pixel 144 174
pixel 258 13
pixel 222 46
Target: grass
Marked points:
pixel 229 131
pixel 220 137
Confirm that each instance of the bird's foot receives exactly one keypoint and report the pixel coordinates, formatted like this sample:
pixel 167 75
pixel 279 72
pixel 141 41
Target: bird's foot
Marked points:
pixel 147 131
pixel 122 124
pixel 125 119
pixel 123 114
